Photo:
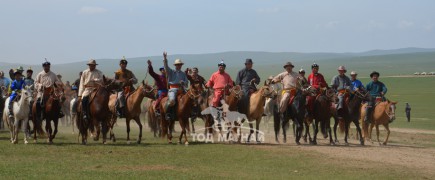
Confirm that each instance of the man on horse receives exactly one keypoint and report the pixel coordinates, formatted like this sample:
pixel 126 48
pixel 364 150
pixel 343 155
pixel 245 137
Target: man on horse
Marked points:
pixel 195 79
pixel 317 81
pixel 304 81
pixel 45 78
pixel 342 85
pixel 357 84
pixel 289 80
pixel 247 78
pixel 220 81
pixel 377 91
pixel 4 82
pixel 161 83
pixel 128 79
pixel 89 81
pixel 28 80
pixel 15 89
pixel 177 79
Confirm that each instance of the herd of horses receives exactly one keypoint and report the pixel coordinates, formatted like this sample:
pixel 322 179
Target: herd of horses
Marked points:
pixel 263 104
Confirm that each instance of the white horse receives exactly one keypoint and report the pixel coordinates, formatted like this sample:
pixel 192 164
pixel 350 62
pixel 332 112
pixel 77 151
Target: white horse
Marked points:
pixel 21 110
pixel 268 111
pixel 73 112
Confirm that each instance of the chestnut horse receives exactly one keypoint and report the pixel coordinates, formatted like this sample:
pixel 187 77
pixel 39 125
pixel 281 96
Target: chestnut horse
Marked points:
pixel 98 110
pixel 132 109
pixel 52 99
pixel 383 114
pixel 183 107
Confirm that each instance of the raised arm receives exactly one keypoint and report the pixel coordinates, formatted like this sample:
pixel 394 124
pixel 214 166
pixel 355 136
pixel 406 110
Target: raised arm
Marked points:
pixel 151 71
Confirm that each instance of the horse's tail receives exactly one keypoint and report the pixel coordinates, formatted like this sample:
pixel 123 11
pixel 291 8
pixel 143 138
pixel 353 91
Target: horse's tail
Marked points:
pixel 323 127
pixel 153 122
pixel 341 125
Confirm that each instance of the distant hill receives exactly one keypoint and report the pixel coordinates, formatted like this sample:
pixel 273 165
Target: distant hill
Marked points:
pixel 388 62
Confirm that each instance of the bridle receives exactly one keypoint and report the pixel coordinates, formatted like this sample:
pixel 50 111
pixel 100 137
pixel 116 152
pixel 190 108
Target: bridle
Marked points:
pixel 238 94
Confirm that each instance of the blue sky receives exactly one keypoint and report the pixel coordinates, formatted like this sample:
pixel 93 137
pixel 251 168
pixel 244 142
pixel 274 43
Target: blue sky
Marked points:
pixel 76 30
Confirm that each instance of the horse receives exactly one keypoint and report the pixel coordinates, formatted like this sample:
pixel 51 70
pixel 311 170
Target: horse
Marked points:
pixel 3 96
pixel 295 111
pixel 268 111
pixel 384 113
pixel 132 109
pixel 153 119
pixel 350 113
pixel 21 111
pixel 73 111
pixel 256 108
pixel 322 115
pixel 182 109
pixel 98 110
pixel 52 98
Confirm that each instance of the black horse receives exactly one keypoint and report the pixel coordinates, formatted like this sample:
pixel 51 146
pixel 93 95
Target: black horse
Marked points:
pixel 349 113
pixel 322 115
pixel 295 111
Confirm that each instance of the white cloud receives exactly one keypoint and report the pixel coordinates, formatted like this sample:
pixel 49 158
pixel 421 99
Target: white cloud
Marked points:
pixel 92 10
pixel 268 10
pixel 331 24
pixel 405 24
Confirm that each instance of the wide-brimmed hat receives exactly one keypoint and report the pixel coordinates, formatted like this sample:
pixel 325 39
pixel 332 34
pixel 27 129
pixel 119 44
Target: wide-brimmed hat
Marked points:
pixel 178 61
pixel 92 62
pixel 353 73
pixel 288 64
pixel 373 73
pixel 341 68
pixel 20 68
pixel 18 72
pixel 249 60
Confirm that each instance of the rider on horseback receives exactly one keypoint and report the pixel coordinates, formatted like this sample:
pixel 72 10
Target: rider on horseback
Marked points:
pixel 376 89
pixel 220 81
pixel 195 79
pixel 342 85
pixel 289 80
pixel 317 81
pixel 128 79
pixel 28 80
pixel 45 78
pixel 89 82
pixel 304 81
pixel 161 83
pixel 177 79
pixel 15 89
pixel 247 78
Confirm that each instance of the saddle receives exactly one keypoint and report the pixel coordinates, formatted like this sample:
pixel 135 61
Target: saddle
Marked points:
pixel 292 92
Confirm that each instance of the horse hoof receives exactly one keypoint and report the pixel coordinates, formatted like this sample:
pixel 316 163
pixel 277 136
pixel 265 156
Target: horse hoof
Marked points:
pixel 313 143
pixel 298 143
pixel 26 142
pixel 83 143
pixel 169 142
pixel 34 141
pixel 186 143
pixel 305 140
pixel 332 144
pixel 258 142
pixel 362 143
pixel 336 141
pixel 346 144
pixel 277 141
pixel 128 142
pixel 138 142
pixel 385 143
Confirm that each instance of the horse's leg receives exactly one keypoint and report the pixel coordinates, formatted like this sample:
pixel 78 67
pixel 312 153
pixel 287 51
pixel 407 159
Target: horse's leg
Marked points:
pixel 335 129
pixel 137 119
pixel 307 129
pixel 193 124
pixel 370 131
pixel 316 130
pixel 48 129
pixel 16 130
pixel 127 123
pixel 358 129
pixel 377 133
pixel 171 129
pixel 331 142
pixel 276 126
pixel 105 129
pixel 56 122
pixel 346 132
pixel 251 130
pixel 258 129
pixel 284 133
pixel 388 133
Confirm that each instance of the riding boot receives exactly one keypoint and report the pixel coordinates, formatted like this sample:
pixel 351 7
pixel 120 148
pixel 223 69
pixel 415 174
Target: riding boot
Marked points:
pixel 11 113
pixel 367 118
pixel 85 102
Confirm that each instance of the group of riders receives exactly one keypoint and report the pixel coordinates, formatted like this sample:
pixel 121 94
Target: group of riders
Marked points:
pixel 171 82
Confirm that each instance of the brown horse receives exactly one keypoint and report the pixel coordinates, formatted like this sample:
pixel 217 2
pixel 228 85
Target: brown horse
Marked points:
pixel 132 109
pixel 322 115
pixel 153 119
pixel 52 98
pixel 256 109
pixel 183 108
pixel 384 113
pixel 98 110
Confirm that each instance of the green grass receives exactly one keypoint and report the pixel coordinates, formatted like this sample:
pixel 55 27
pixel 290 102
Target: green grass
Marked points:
pixel 154 159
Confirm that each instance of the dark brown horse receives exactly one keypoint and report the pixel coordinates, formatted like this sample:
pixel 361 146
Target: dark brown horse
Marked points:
pixel 132 109
pixel 98 110
pixel 322 114
pixel 52 98
pixel 183 108
pixel 349 113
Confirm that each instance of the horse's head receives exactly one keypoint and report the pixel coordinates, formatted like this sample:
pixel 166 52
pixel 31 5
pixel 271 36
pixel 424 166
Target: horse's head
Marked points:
pixel 4 91
pixel 27 94
pixel 111 84
pixel 147 91
pixel 391 110
pixel 236 92
pixel 266 90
